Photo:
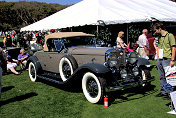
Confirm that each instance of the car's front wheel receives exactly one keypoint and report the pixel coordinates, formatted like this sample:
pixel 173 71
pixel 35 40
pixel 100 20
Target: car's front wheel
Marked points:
pixel 67 66
pixel 93 87
pixel 32 72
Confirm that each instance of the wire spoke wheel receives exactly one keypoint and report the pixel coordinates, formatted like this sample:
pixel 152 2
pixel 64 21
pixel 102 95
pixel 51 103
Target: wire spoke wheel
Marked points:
pixel 66 70
pixel 93 87
pixel 67 66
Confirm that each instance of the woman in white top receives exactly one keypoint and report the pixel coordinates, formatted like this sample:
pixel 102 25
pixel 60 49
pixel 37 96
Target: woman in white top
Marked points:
pixel 120 42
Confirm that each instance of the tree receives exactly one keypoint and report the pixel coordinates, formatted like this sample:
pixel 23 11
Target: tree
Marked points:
pixel 15 15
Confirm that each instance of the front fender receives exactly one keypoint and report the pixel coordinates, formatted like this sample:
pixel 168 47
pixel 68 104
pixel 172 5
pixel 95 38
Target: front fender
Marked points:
pixel 99 69
pixel 143 62
pixel 36 62
pixel 95 67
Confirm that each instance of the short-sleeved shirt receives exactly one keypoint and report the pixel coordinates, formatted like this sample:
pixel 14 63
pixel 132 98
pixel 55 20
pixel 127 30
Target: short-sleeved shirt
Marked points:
pixel 166 42
pixel 143 41
pixel 119 40
pixel 22 56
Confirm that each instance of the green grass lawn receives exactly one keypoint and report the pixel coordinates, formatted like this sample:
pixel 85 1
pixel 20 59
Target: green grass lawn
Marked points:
pixel 22 98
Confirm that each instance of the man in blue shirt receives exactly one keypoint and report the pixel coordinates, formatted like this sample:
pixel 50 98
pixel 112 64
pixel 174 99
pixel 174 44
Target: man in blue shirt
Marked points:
pixel 23 56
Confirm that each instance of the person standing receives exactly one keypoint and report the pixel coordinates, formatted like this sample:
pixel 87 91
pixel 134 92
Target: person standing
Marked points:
pixel 0 72
pixel 143 44
pixel 166 56
pixel 4 41
pixel 3 62
pixel 0 80
pixel 8 41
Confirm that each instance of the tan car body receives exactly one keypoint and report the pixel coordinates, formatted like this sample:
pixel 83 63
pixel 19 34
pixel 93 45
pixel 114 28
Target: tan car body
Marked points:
pixel 83 54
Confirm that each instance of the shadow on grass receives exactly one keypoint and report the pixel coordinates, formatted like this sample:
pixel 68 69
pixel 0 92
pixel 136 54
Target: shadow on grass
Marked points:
pixel 74 87
pixel 18 98
pixel 4 89
pixel 131 92
pixel 118 94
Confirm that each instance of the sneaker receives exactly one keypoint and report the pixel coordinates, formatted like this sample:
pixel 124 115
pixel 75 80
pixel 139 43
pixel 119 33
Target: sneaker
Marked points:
pixel 172 112
pixel 159 95
pixel 166 98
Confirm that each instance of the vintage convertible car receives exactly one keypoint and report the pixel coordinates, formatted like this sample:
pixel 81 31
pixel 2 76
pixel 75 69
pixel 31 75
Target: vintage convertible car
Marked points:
pixel 73 58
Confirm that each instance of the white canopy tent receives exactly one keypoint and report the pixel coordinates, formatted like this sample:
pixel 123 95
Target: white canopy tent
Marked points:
pixel 110 11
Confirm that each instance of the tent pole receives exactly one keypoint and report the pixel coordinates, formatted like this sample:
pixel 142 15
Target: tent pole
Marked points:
pixel 97 32
pixel 127 33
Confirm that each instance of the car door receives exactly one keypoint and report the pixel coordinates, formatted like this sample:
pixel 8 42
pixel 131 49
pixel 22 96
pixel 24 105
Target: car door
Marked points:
pixel 49 61
pixel 52 64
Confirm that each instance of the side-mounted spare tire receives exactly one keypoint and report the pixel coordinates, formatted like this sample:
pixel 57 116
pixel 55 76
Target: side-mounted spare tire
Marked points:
pixel 67 66
pixel 93 87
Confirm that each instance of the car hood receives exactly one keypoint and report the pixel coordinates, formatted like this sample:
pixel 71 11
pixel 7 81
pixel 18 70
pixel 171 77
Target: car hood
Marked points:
pixel 88 50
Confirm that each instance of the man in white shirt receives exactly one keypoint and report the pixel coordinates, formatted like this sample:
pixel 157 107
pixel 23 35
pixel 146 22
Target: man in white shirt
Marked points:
pixel 143 44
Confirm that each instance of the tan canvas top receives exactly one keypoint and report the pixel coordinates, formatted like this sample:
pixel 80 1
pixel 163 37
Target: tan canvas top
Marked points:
pixel 64 35
pixel 67 34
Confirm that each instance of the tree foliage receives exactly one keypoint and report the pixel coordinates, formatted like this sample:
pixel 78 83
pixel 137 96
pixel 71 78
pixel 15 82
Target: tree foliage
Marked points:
pixel 15 15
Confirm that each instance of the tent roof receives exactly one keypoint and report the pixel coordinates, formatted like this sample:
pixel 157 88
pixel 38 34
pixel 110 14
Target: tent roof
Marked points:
pixel 110 11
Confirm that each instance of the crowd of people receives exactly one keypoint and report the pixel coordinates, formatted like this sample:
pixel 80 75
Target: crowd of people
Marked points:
pixel 165 52
pixel 21 39
pixel 8 63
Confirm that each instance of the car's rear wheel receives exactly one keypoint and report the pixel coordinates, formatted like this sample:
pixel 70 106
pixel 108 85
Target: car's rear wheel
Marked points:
pixel 67 66
pixel 32 72
pixel 93 87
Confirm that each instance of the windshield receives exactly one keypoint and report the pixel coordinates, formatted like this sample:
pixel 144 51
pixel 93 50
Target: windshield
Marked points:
pixel 79 41
pixel 59 44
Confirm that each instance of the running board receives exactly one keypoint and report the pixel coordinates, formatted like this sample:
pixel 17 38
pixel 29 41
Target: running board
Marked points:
pixel 49 79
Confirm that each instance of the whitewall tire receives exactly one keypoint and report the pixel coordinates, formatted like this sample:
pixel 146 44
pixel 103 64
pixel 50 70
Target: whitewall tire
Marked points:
pixel 67 66
pixel 93 87
pixel 32 72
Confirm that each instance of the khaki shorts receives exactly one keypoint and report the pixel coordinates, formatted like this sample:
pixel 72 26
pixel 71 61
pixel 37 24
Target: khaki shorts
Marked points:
pixel 142 52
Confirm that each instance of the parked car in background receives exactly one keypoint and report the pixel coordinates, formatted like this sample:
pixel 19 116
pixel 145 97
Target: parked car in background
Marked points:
pixel 151 48
pixel 73 58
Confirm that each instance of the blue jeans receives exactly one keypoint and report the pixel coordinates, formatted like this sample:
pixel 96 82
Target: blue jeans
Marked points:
pixel 161 64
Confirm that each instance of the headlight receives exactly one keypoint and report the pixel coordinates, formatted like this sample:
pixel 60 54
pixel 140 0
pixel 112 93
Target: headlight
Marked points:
pixel 123 73
pixel 113 63
pixel 132 60
pixel 135 71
